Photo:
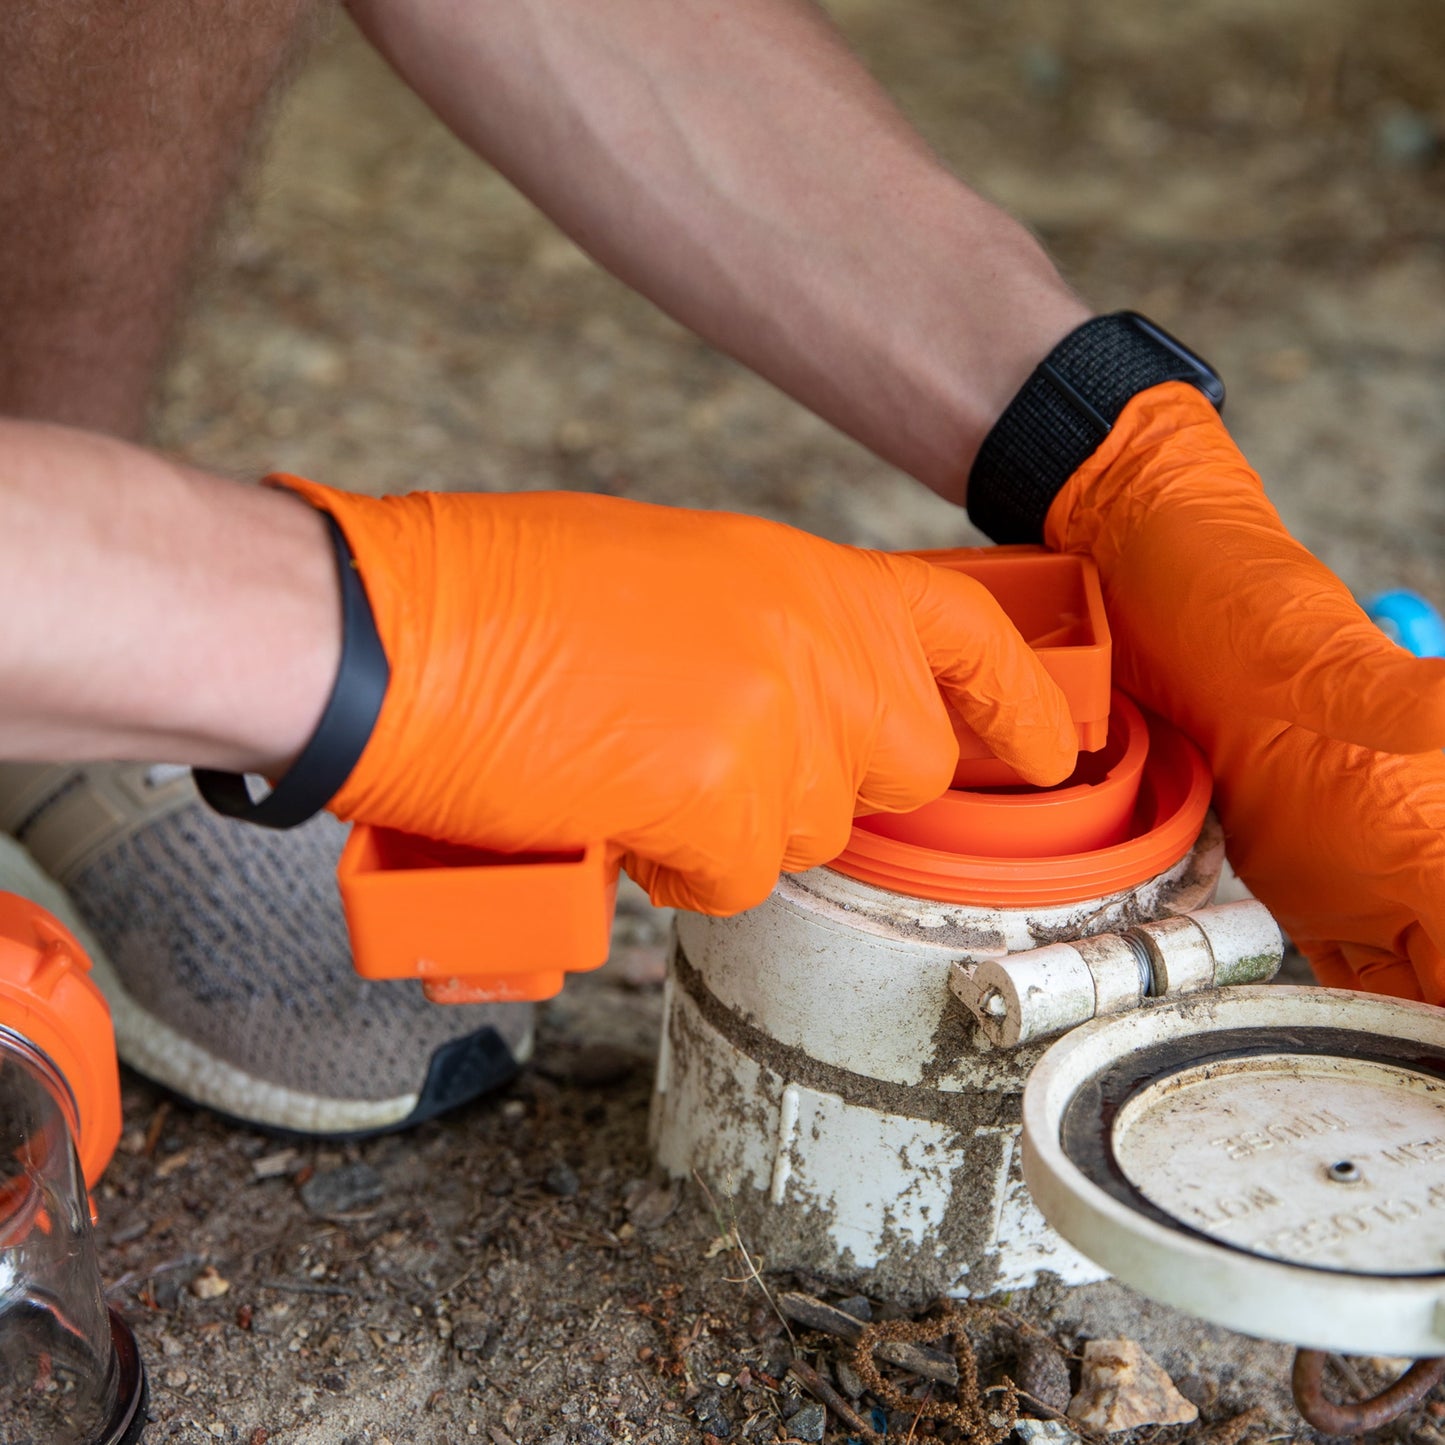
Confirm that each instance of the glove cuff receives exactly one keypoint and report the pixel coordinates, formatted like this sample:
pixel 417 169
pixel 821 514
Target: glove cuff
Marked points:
pixel 327 760
pixel 1064 411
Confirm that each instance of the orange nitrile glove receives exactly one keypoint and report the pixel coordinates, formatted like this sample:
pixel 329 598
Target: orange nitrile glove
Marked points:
pixel 716 696
pixel 1323 736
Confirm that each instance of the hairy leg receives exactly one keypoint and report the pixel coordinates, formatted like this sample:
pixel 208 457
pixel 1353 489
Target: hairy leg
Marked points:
pixel 124 127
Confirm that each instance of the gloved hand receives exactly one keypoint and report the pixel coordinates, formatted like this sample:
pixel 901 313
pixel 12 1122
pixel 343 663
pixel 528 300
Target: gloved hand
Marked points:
pixel 715 695
pixel 1323 736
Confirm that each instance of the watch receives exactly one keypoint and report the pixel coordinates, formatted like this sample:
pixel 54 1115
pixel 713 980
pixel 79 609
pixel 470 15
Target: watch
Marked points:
pixel 1064 411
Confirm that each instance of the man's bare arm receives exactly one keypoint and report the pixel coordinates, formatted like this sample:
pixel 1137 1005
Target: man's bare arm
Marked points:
pixel 737 164
pixel 151 611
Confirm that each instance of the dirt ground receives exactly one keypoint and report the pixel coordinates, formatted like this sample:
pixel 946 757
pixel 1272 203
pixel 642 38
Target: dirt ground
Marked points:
pixel 1265 176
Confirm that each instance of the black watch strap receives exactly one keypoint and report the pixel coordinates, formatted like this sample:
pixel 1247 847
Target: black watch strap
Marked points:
pixel 1064 410
pixel 345 728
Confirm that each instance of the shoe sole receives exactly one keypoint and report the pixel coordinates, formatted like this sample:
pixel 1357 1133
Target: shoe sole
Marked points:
pixel 461 1070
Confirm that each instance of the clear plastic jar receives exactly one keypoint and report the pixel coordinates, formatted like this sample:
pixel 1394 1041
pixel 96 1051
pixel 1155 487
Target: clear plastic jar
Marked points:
pixel 69 1370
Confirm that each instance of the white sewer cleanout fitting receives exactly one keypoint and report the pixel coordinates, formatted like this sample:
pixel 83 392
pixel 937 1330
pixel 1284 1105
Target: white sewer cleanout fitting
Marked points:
pixel 819 1074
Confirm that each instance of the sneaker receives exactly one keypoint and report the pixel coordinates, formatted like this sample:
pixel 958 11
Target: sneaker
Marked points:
pixel 224 956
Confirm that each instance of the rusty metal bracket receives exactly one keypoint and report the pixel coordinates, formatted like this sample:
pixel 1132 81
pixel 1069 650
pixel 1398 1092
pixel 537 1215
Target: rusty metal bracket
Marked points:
pixel 1358 1416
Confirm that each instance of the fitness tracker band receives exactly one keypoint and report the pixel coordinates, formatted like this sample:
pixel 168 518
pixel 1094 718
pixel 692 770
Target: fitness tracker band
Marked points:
pixel 1064 410
pixel 326 761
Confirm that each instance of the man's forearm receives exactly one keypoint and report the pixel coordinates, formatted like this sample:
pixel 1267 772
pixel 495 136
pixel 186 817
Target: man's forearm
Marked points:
pixel 738 165
pixel 149 611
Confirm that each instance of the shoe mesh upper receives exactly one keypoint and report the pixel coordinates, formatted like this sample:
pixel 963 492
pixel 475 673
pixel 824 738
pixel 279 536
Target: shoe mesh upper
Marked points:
pixel 235 937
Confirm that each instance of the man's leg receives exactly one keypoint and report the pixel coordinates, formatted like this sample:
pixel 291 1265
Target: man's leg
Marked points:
pixel 124 127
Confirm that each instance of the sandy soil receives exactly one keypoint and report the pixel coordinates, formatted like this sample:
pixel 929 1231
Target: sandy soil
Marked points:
pixel 1265 177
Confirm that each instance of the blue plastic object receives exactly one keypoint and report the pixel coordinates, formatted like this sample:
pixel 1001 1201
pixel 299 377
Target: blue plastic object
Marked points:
pixel 1407 618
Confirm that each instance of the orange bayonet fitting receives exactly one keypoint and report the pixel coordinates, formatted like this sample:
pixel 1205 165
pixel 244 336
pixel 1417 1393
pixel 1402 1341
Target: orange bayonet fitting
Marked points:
pixel 48 997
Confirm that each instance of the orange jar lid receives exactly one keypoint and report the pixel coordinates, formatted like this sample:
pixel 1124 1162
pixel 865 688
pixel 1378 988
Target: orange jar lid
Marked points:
pixel 48 997
pixel 947 854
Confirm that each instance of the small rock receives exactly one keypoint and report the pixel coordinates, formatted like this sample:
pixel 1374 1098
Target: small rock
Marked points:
pixel 209 1284
pixel 1044 1432
pixel 1042 1372
pixel 271 1166
pixel 808 1423
pixel 848 1380
pixel 1406 137
pixel 778 1358
pixel 562 1181
pixel 166 1288
pixel 471 1330
pixel 1120 1388
pixel 343 1190
pixel 652 1206
pixel 857 1306
pixel 708 1409
pixel 1199 1389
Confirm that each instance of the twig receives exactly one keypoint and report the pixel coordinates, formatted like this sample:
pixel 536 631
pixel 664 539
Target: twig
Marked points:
pixel 978 1425
pixel 1344 1367
pixel 1233 1430
pixel 302 1286
pixel 1020 1325
pixel 136 1276
pixel 918 1415
pixel 823 1392
pixel 747 1257
pixel 153 1129
pixel 461 1279
pixel 933 1365
pixel 1049 1412
pixel 285 1240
